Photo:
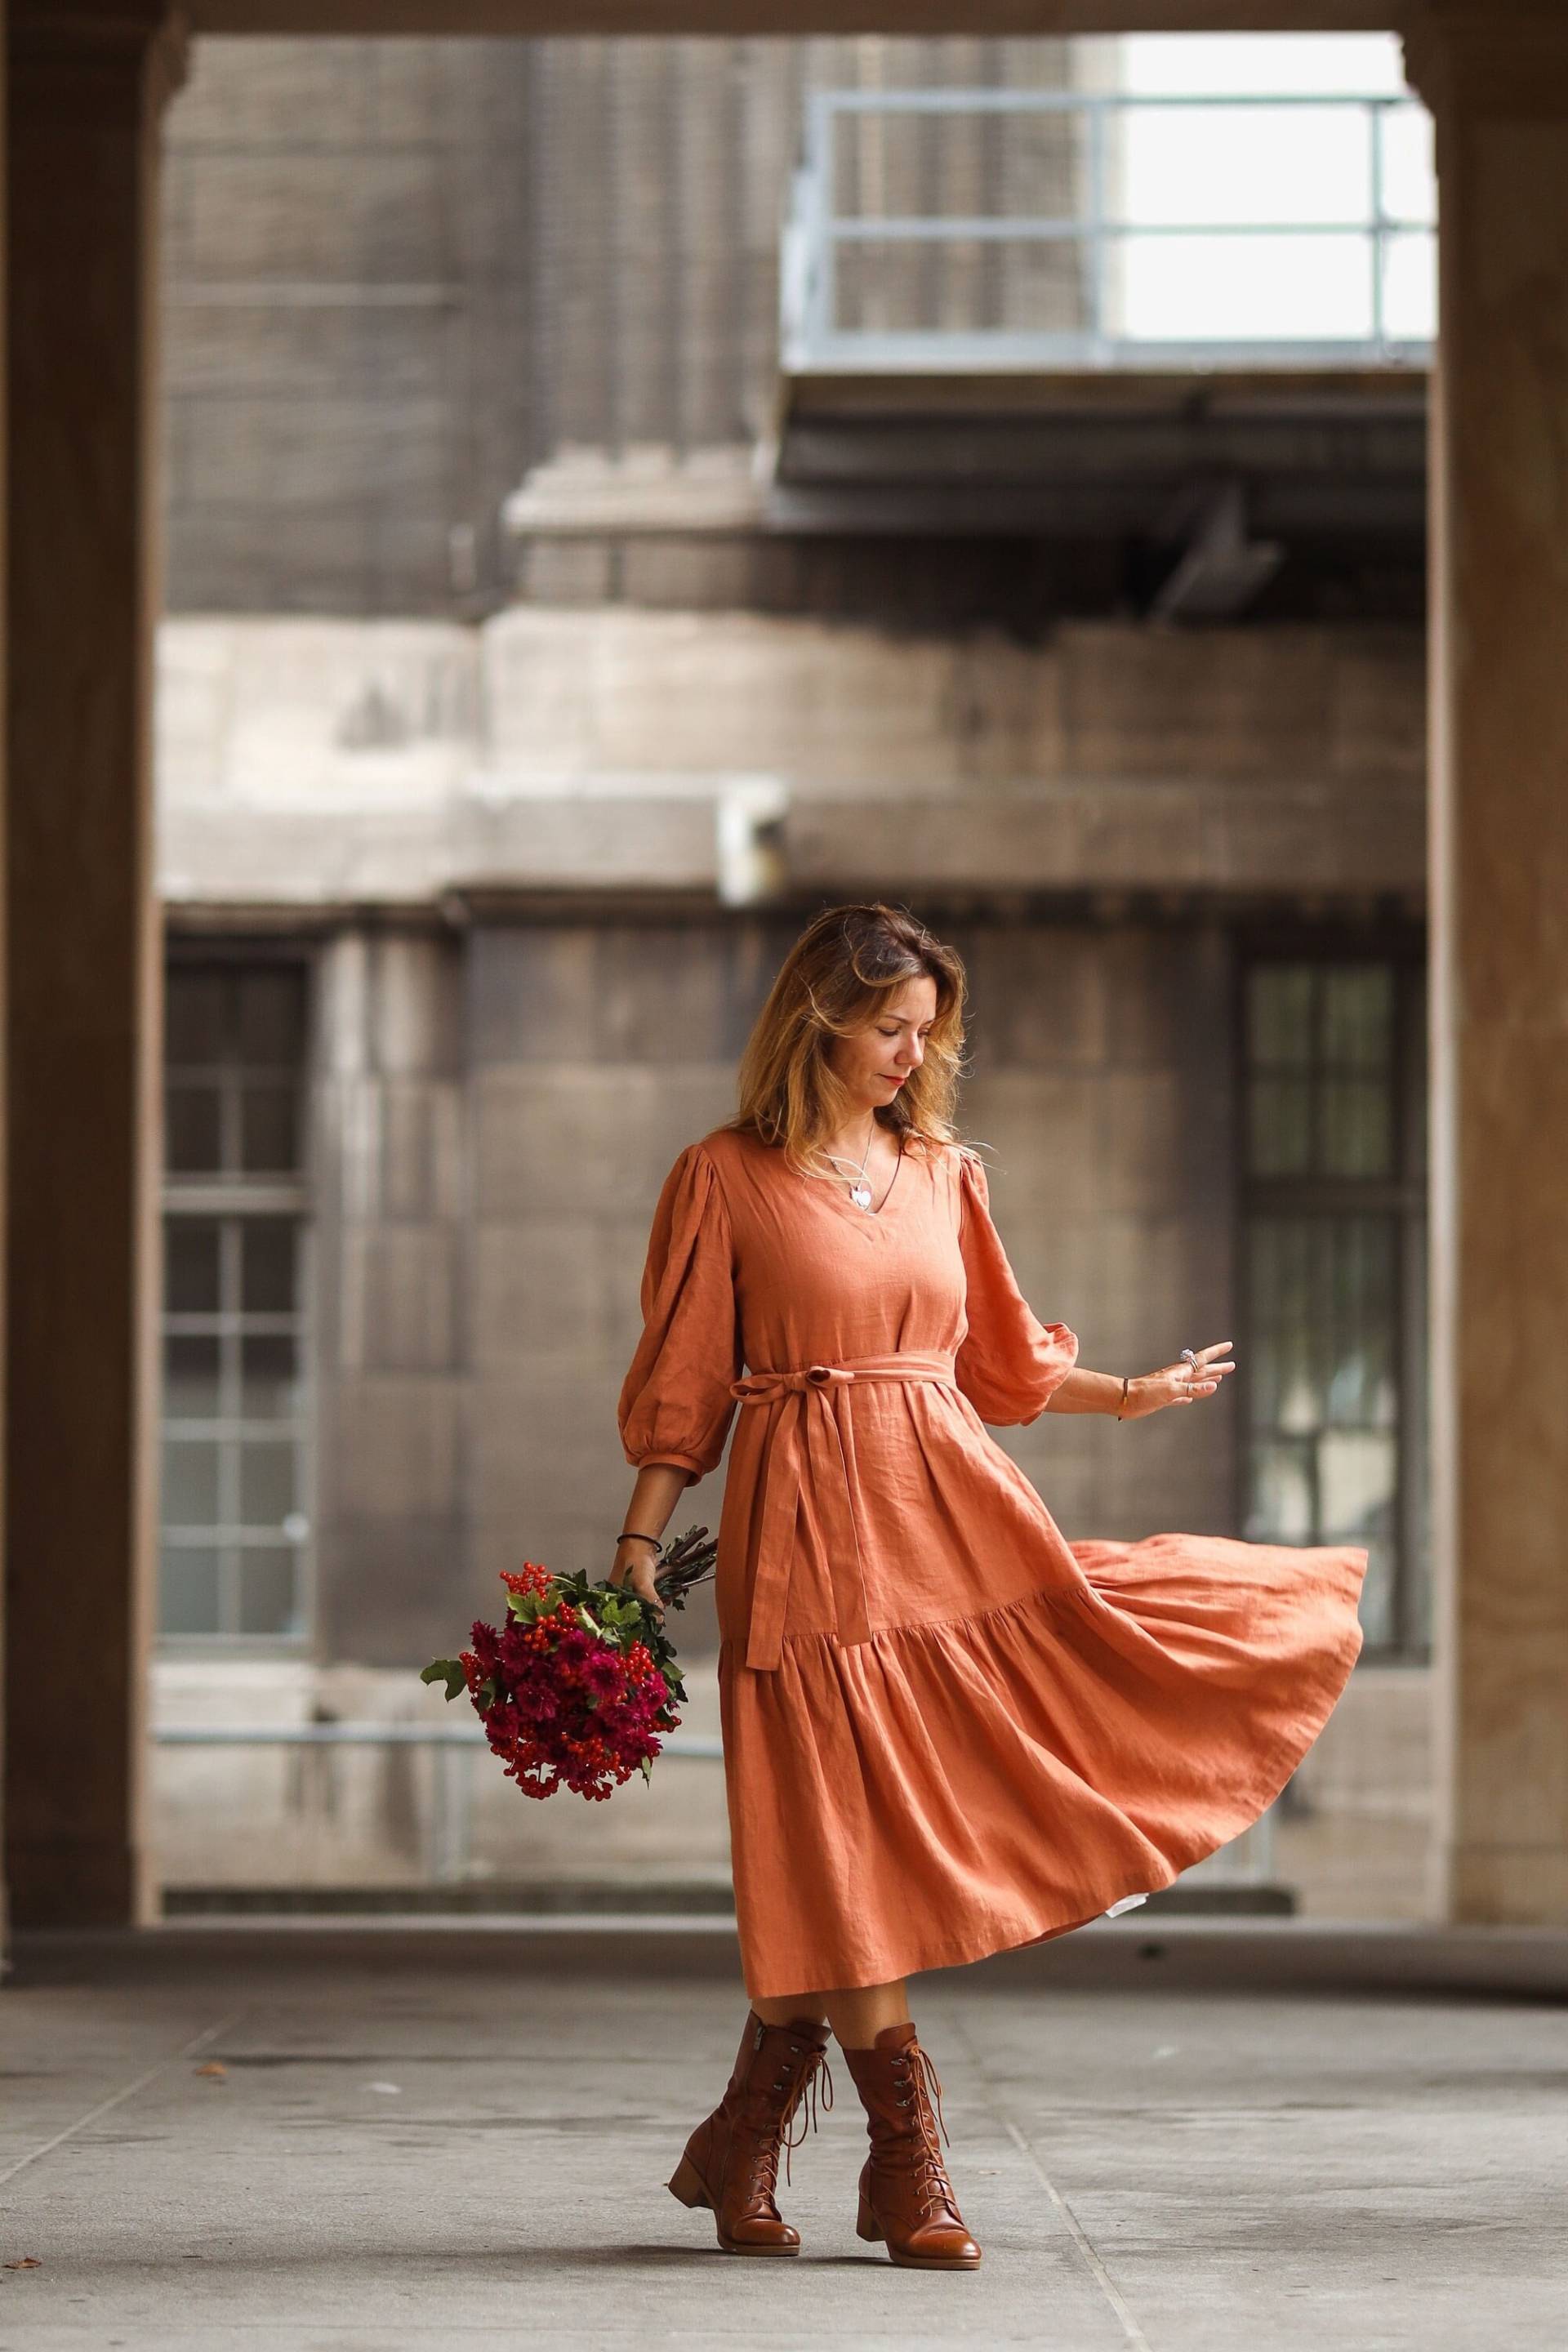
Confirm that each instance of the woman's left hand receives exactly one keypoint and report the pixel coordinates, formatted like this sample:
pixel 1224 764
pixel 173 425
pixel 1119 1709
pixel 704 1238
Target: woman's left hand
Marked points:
pixel 1178 1383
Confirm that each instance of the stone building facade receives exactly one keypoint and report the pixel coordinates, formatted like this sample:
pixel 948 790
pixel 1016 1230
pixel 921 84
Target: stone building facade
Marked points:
pixel 466 700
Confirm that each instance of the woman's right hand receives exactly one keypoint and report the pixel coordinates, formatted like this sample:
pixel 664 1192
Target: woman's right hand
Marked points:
pixel 637 1562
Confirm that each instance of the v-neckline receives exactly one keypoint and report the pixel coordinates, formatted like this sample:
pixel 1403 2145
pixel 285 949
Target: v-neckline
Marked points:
pixel 870 1216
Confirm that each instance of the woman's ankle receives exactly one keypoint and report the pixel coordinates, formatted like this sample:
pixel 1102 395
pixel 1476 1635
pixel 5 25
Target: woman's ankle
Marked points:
pixel 803 2011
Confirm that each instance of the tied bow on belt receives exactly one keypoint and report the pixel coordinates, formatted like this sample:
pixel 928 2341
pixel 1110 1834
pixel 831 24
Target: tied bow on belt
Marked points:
pixel 803 1455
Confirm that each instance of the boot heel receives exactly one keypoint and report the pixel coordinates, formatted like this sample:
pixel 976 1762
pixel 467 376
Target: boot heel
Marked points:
pixel 686 2182
pixel 867 2226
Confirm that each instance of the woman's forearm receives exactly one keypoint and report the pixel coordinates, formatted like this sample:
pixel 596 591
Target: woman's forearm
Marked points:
pixel 659 1487
pixel 1087 1391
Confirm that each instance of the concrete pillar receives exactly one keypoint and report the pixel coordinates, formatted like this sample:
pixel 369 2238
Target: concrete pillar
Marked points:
pixel 1497 80
pixel 87 80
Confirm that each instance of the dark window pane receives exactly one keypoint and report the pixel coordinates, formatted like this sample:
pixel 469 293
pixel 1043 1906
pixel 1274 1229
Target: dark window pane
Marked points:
pixel 191 1262
pixel 1285 1340
pixel 267 1369
pixel 1358 1016
pixel 1333 1433
pixel 270 1131
pixel 1278 1127
pixel 1359 1310
pixel 1356 1474
pixel 190 1482
pixel 1280 1494
pixel 235 1040
pixel 1357 1127
pixel 269 1590
pixel 266 1281
pixel 189 1587
pixel 192 1130
pixel 1279 1015
pixel 1265 1370
pixel 190 1378
pixel 194 1016
pixel 272 1017
pixel 267 1491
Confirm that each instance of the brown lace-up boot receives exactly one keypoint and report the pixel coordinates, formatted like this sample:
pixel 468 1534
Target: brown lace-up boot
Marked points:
pixel 906 2197
pixel 730 2162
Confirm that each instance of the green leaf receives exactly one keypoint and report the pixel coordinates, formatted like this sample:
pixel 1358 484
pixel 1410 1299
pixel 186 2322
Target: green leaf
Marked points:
pixel 646 1768
pixel 448 1670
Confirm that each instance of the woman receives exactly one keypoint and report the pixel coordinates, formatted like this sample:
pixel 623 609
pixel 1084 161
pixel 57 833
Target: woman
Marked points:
pixel 947 1730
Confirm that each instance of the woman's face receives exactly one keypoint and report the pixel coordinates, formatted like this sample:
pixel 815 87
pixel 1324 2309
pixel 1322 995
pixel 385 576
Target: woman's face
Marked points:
pixel 877 1062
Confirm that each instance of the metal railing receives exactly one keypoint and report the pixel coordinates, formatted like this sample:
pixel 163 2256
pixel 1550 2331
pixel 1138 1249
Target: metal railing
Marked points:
pixel 452 1747
pixel 1247 1860
pixel 817 238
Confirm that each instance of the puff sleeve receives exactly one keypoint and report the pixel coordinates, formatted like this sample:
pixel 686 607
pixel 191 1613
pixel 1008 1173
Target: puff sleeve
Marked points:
pixel 675 1403
pixel 1009 1364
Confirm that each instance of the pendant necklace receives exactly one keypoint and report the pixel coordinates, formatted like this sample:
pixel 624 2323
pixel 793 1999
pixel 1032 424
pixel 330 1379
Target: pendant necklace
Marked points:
pixel 860 1191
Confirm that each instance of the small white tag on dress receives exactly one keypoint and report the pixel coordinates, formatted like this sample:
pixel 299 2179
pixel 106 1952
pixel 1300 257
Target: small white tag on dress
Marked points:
pixel 1126 1904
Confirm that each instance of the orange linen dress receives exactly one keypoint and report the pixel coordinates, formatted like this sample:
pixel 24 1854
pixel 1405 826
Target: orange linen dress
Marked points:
pixel 947 1728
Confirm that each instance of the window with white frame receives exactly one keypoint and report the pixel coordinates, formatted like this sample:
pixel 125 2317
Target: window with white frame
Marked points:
pixel 1332 1278
pixel 236 1471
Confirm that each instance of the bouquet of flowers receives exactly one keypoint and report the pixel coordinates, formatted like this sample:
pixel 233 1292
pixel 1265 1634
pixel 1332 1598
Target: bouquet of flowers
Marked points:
pixel 577 1687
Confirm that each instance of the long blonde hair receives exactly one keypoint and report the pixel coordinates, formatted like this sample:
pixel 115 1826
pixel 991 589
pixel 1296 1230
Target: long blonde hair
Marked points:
pixel 844 965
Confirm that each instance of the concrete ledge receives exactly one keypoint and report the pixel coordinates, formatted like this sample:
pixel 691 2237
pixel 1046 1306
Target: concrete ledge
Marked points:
pixel 1297 1955
pixel 668 1898
pixel 1230 1955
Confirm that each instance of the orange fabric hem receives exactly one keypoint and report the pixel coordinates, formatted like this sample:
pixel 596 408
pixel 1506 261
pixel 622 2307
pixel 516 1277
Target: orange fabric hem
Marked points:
pixel 672 1462
pixel 1275 1759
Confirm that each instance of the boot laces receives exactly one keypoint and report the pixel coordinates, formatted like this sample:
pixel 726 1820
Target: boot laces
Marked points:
pixel 924 2152
pixel 764 2136
pixel 803 2106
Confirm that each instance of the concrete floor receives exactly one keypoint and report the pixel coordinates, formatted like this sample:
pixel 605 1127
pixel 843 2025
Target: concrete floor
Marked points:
pixel 433 2139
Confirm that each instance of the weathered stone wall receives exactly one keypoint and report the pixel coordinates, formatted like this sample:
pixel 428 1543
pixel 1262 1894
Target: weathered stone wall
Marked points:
pixel 391 1179
pixel 402 276
pixel 351 761
pixel 495 1113
pixel 347 270
pixel 495 1108
pixel 398 274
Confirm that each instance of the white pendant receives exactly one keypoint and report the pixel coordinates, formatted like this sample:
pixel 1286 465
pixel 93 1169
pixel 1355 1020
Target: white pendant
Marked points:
pixel 861 1195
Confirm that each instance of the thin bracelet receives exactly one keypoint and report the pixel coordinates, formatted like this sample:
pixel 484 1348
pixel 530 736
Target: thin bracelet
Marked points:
pixel 634 1535
pixel 1119 1409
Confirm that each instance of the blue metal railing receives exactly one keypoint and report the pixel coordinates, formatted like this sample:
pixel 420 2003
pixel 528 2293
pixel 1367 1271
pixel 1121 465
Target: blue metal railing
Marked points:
pixel 815 337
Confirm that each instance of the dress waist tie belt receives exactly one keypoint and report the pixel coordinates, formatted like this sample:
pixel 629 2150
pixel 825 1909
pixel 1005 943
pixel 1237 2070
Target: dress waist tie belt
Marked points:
pixel 803 1452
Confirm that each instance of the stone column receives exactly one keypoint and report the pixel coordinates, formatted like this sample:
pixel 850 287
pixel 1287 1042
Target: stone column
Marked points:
pixel 86 81
pixel 1496 77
